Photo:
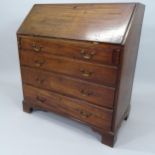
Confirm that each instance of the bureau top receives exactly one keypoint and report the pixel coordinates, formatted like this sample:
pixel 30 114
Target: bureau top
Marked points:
pixel 89 22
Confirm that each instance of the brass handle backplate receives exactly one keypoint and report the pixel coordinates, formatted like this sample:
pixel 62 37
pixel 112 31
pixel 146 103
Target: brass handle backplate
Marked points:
pixel 41 99
pixel 39 63
pixel 84 113
pixel 86 92
pixel 86 73
pixel 87 55
pixel 36 48
pixel 40 80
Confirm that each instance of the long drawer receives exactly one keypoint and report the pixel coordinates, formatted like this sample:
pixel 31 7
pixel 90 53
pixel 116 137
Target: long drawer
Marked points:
pixel 87 71
pixel 80 110
pixel 87 51
pixel 96 94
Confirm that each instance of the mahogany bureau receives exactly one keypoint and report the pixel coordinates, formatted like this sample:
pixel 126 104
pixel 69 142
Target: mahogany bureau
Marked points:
pixel 78 60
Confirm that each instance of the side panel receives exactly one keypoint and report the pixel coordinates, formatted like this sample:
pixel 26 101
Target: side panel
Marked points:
pixel 127 68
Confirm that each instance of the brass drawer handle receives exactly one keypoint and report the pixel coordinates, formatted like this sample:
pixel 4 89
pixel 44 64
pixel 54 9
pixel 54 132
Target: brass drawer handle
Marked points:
pixel 40 81
pixel 36 48
pixel 86 92
pixel 84 113
pixel 86 55
pixel 39 63
pixel 40 99
pixel 86 73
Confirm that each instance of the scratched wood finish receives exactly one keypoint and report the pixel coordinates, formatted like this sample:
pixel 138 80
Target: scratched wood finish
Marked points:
pixel 78 60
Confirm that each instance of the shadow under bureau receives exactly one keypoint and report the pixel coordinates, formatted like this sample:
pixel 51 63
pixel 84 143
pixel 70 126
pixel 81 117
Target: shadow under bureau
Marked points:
pixel 78 60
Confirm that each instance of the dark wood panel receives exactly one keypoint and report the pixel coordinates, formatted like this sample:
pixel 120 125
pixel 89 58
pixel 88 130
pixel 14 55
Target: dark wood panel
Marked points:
pixel 86 51
pixel 127 68
pixel 93 22
pixel 81 110
pixel 96 94
pixel 87 71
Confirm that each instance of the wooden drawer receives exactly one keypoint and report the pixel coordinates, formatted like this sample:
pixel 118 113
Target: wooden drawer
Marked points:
pixel 80 110
pixel 87 51
pixel 79 69
pixel 96 94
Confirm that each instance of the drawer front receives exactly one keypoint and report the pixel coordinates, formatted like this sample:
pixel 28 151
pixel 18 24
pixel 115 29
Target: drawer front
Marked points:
pixel 96 94
pixel 87 71
pixel 80 110
pixel 91 52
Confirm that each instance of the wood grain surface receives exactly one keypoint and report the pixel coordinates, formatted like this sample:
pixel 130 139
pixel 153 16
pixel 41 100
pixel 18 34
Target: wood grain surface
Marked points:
pixel 87 51
pixel 96 94
pixel 91 22
pixel 70 107
pixel 91 72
